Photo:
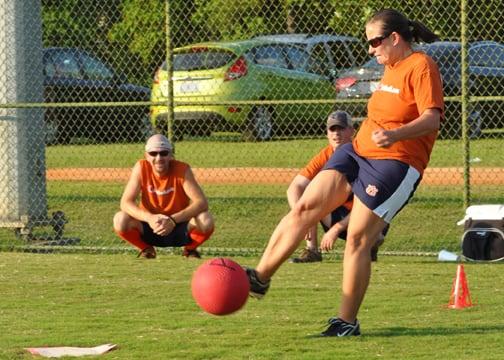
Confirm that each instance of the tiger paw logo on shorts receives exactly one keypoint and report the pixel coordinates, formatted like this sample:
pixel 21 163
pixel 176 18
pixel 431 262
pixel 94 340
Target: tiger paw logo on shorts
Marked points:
pixel 371 190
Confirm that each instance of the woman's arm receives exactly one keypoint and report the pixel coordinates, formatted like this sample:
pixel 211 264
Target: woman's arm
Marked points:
pixel 426 123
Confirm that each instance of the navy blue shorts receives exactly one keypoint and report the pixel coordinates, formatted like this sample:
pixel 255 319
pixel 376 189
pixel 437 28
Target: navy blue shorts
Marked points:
pixel 178 237
pixel 338 215
pixel 384 186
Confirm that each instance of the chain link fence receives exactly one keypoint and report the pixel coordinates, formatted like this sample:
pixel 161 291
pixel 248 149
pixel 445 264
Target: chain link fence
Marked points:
pixel 84 83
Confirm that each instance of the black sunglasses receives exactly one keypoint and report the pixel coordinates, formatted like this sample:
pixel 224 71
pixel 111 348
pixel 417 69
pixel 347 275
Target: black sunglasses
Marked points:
pixel 377 41
pixel 160 153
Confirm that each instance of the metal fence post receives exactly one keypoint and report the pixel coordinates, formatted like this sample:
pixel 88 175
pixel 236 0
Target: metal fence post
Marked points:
pixel 169 69
pixel 465 103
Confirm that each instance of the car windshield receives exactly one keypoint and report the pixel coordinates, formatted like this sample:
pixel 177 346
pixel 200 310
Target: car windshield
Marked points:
pixel 200 58
pixel 94 69
pixel 444 54
pixel 487 55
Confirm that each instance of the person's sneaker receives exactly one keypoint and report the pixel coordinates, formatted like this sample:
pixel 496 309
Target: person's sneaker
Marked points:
pixel 191 254
pixel 258 288
pixel 308 256
pixel 148 253
pixel 340 328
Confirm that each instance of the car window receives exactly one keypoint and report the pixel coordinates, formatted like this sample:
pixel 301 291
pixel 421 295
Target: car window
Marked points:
pixel 200 58
pixel 487 56
pixel 297 57
pixel 358 51
pixel 341 57
pixel 95 69
pixel 62 65
pixel 270 55
pixel 446 57
pixel 319 64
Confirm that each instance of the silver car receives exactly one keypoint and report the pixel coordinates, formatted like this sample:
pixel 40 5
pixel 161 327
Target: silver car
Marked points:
pixel 329 54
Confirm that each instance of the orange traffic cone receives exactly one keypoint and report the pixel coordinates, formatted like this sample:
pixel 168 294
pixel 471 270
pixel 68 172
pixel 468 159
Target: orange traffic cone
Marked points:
pixel 460 297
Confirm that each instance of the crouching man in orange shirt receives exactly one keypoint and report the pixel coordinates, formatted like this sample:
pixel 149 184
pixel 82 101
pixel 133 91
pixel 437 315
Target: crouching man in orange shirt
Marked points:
pixel 172 211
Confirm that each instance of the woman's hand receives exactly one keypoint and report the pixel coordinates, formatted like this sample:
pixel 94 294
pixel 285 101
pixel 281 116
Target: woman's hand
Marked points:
pixel 383 138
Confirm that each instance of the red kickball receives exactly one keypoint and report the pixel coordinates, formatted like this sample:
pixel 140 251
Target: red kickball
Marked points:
pixel 220 286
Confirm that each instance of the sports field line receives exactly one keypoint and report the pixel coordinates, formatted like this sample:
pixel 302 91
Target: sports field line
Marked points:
pixel 257 175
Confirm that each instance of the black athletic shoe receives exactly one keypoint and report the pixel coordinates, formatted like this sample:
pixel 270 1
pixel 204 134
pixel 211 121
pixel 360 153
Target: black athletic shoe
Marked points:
pixel 257 288
pixel 340 328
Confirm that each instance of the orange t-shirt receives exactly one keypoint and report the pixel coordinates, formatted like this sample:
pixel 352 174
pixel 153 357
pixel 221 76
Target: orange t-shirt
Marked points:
pixel 316 164
pixel 406 90
pixel 163 195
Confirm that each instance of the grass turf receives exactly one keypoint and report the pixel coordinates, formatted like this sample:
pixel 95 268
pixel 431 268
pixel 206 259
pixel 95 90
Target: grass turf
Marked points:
pixel 288 153
pixel 247 215
pixel 146 308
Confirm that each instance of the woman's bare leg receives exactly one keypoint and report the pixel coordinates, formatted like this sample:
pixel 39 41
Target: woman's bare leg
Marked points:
pixel 328 190
pixel 363 230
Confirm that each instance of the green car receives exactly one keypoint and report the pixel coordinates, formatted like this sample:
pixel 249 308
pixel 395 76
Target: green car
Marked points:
pixel 217 86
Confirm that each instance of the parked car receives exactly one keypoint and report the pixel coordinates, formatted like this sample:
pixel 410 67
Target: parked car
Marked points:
pixel 486 78
pixel 74 76
pixel 330 53
pixel 245 71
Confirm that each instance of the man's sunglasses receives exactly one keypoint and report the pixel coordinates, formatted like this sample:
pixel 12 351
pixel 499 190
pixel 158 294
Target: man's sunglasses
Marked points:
pixel 377 41
pixel 160 153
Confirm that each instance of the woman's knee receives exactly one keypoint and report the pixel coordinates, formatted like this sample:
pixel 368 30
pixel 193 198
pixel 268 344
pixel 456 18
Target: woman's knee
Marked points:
pixel 358 242
pixel 304 214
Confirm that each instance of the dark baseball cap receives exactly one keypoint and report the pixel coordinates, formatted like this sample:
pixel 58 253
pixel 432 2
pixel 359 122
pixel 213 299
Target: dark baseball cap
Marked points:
pixel 339 118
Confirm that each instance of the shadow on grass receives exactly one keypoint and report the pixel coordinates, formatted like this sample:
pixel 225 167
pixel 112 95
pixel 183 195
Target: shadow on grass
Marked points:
pixel 428 331
pixel 441 331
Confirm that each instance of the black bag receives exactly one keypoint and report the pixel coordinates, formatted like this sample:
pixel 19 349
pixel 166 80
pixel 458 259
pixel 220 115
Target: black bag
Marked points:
pixel 483 238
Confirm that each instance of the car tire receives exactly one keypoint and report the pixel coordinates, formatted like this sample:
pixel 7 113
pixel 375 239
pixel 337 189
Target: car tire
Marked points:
pixel 146 130
pixel 51 133
pixel 139 131
pixel 259 126
pixel 55 133
pixel 177 130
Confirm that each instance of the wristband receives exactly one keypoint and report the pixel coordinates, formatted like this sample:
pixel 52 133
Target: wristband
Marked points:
pixel 172 220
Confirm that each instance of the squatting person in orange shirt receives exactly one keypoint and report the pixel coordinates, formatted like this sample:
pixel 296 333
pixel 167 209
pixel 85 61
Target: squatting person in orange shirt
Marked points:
pixel 172 211
pixel 382 166
pixel 339 131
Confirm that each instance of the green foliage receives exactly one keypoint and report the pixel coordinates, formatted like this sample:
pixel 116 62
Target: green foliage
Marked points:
pixel 132 34
pixel 141 33
pixel 141 30
pixel 79 23
pixel 230 19
pixel 485 21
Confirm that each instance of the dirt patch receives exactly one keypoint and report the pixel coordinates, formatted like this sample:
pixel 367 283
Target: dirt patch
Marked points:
pixel 254 175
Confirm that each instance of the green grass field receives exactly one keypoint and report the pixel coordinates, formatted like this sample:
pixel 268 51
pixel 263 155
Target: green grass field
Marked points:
pixel 247 214
pixel 288 153
pixel 146 308
pixel 75 298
